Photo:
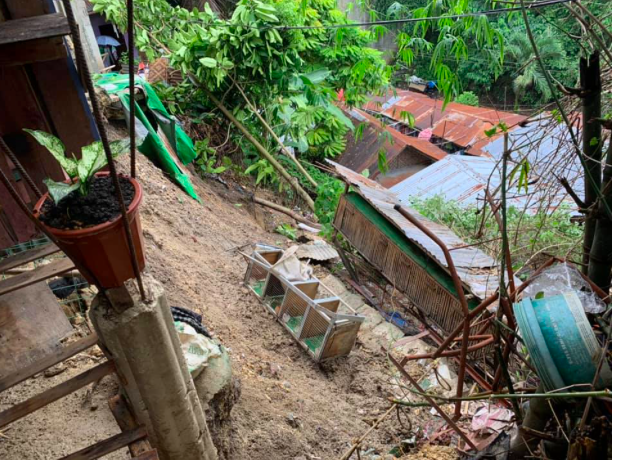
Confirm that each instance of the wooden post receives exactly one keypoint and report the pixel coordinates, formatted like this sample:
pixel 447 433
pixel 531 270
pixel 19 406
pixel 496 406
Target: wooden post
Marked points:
pixel 591 97
pixel 91 47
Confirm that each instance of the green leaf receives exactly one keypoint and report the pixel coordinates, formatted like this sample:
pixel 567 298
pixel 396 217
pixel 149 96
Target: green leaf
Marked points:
pixel 56 148
pixel 59 190
pixel 365 172
pixel 594 141
pixel 338 113
pixel 208 62
pixel 89 155
pixel 317 76
pixel 491 132
pixel 382 161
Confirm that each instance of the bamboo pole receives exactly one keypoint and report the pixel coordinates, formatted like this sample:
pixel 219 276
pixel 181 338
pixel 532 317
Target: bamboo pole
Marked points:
pixel 285 210
pixel 276 138
pixel 260 148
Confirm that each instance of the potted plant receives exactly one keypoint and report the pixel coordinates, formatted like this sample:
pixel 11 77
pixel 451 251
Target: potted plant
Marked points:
pixel 83 212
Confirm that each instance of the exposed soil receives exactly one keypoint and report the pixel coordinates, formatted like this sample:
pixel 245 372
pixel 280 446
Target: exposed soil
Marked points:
pixel 290 407
pixel 100 205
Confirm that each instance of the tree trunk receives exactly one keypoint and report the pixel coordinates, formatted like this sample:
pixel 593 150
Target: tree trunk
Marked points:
pixel 592 144
pixel 600 257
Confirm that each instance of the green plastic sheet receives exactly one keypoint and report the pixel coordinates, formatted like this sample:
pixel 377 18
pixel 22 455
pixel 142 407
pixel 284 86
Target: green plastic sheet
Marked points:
pixel 148 141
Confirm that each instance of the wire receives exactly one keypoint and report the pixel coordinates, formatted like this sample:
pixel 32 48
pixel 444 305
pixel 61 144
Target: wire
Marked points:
pixel 430 18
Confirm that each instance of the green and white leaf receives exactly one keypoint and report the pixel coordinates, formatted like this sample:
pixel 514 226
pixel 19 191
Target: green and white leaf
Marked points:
pixel 59 190
pixel 56 148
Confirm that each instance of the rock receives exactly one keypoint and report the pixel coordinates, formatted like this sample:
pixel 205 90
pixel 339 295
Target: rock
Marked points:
pixel 292 421
pixel 275 370
pixel 286 385
pixel 54 370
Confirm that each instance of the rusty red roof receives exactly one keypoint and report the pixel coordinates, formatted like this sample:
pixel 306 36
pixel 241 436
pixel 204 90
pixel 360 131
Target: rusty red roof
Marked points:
pixel 364 154
pixel 460 124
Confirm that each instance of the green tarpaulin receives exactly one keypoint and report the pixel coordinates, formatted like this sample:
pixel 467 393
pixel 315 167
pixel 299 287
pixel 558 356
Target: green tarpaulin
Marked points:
pixel 148 141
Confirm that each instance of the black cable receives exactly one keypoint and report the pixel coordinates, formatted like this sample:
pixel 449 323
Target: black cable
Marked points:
pixel 430 18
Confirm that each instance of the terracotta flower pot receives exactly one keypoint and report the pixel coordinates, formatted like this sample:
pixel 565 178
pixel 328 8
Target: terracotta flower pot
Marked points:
pixel 103 249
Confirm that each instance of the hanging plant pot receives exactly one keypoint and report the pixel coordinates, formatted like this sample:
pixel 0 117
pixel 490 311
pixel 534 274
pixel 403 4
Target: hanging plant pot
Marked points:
pixel 103 248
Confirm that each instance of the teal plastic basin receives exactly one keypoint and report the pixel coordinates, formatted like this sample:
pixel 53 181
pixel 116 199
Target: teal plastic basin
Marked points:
pixel 561 343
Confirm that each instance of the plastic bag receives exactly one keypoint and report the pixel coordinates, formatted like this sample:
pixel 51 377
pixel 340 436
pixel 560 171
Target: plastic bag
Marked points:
pixel 290 267
pixel 196 348
pixel 561 278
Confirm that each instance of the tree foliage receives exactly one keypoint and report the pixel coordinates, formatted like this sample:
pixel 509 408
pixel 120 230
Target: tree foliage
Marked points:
pixel 292 76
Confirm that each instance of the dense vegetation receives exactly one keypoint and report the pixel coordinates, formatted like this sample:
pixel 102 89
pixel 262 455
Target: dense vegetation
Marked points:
pixel 532 236
pixel 506 72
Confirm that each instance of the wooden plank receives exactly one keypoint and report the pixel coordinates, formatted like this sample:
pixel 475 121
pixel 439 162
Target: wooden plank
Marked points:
pixel 65 104
pixel 28 256
pixel 40 273
pixel 126 422
pixel 53 394
pixel 32 28
pixel 150 455
pixel 43 49
pixel 32 325
pixel 56 357
pixel 108 445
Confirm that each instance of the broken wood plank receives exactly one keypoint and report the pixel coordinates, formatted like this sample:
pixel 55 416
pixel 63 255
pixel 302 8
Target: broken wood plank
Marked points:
pixel 32 326
pixel 51 360
pixel 150 455
pixel 53 394
pixel 126 422
pixel 34 27
pixel 41 273
pixel 25 257
pixel 108 445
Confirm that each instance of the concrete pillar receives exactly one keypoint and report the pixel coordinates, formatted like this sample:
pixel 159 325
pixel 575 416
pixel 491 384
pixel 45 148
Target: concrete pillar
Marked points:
pixel 143 342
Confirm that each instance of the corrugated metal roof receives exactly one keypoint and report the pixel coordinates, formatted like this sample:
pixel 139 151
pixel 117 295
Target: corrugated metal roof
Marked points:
pixel 460 124
pixel 547 146
pixel 456 178
pixel 364 154
pixel 478 271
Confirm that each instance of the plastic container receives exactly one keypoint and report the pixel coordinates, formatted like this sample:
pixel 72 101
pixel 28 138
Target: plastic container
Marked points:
pixel 103 249
pixel 560 341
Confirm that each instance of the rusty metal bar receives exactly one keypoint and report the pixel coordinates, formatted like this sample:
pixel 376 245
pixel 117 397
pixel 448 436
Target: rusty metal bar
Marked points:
pixel 9 153
pixel 487 340
pixel 430 400
pixel 461 294
pixel 455 278
pixel 98 117
pixel 131 33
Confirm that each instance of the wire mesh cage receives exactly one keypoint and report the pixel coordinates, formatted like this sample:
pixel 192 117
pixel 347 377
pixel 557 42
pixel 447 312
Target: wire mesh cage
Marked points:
pixel 257 271
pixel 307 309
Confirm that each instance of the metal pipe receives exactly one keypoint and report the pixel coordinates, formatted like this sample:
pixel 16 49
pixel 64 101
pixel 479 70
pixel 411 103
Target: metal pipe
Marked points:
pixel 98 117
pixel 9 153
